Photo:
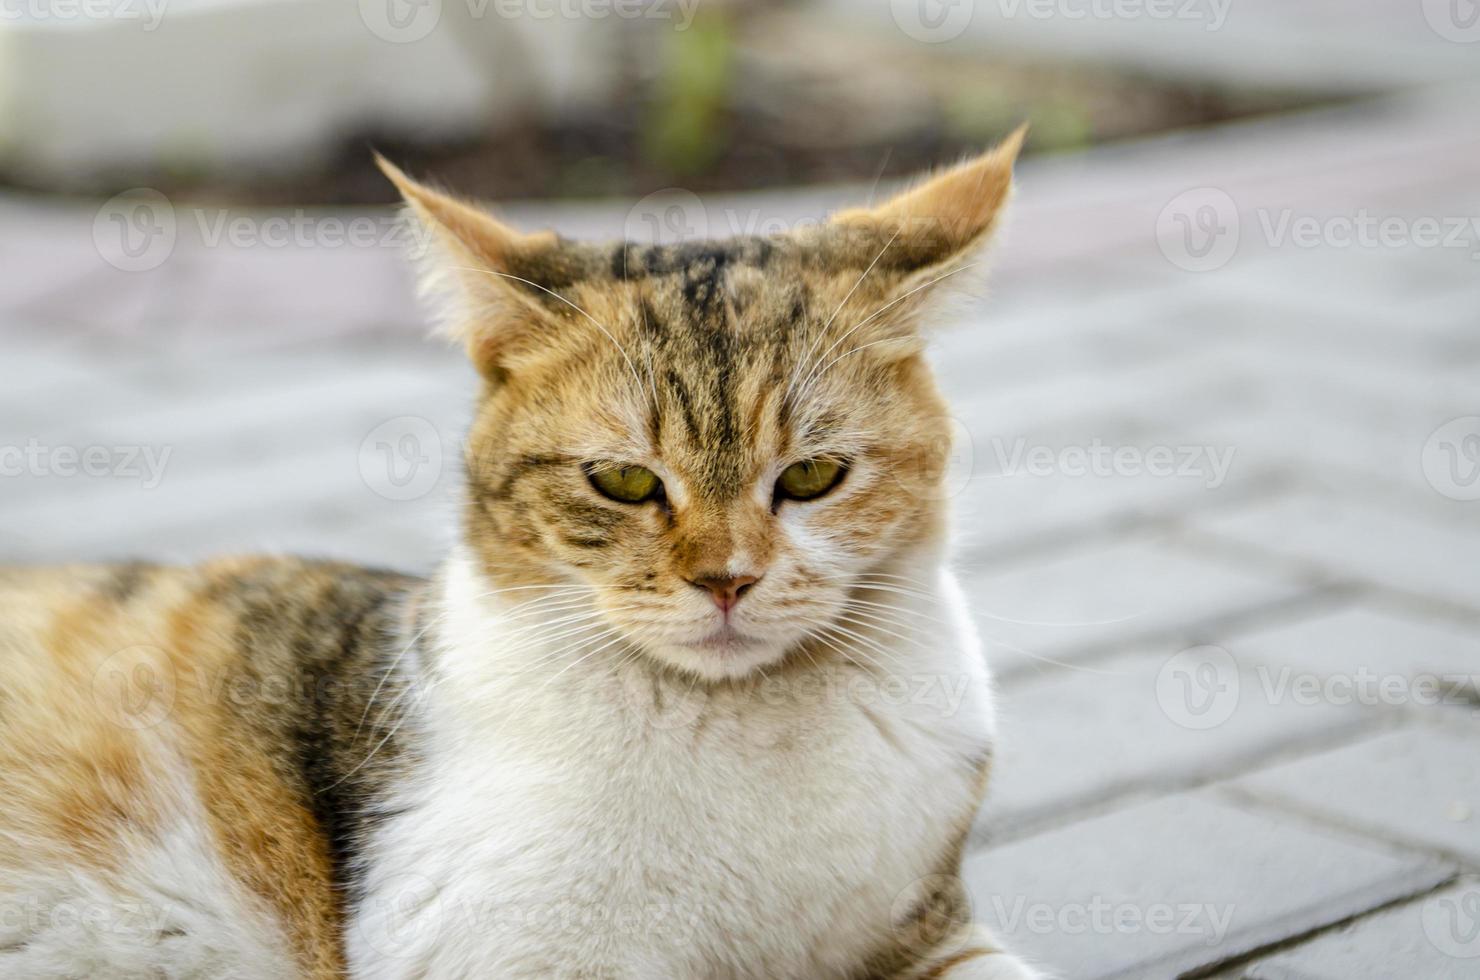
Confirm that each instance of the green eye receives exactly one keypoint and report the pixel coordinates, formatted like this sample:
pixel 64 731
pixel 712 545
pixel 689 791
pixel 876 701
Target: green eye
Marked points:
pixel 809 479
pixel 628 484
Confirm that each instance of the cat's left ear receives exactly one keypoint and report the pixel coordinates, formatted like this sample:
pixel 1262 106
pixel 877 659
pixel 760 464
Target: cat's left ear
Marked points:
pixel 944 219
pixel 484 274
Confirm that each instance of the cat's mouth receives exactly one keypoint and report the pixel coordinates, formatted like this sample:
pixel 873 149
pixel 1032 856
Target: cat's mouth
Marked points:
pixel 722 653
pixel 724 639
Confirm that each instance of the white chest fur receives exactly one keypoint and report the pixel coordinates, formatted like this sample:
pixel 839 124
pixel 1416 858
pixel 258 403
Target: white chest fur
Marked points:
pixel 593 819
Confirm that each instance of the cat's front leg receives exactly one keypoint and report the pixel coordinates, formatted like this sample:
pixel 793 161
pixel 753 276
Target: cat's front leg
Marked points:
pixel 938 938
pixel 972 954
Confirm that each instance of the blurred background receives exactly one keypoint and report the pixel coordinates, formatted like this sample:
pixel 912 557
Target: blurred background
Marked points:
pixel 1218 454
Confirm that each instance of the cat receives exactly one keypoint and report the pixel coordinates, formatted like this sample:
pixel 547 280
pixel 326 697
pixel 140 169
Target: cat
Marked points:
pixel 694 696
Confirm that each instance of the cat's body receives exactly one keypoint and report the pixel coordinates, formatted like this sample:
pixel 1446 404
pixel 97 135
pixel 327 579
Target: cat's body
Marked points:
pixel 785 819
pixel 696 697
pixel 171 740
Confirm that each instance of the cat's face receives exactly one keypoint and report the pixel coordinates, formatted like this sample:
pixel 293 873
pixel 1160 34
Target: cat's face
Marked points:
pixel 721 440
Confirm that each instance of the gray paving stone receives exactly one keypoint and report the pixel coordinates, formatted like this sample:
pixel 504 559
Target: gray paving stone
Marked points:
pixel 138 516
pixel 1420 785
pixel 1366 641
pixel 1301 328
pixel 55 274
pixel 1081 735
pixel 1050 608
pixel 1125 329
pixel 1298 46
pixel 1178 883
pixel 1341 454
pixel 1176 386
pixel 1013 485
pixel 1391 392
pixel 411 542
pixel 1434 938
pixel 293 409
pixel 1433 299
pixel 358 293
pixel 1324 368
pixel 993 512
pixel 1382 545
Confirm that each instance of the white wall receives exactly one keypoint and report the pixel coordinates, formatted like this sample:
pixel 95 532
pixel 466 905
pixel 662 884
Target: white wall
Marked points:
pixel 101 85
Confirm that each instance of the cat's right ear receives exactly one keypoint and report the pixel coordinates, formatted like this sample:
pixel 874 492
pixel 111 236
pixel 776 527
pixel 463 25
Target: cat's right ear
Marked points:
pixel 474 268
pixel 942 221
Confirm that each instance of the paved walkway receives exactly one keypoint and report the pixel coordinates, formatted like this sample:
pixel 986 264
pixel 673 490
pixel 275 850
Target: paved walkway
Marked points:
pixel 1218 483
pixel 1326 46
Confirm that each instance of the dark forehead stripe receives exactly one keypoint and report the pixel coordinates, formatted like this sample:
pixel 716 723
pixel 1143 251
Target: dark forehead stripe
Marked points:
pixel 565 263
pixel 699 352
pixel 634 262
pixel 702 281
pixel 557 267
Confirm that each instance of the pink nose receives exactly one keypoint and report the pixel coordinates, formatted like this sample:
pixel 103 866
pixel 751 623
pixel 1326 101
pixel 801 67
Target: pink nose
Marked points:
pixel 725 590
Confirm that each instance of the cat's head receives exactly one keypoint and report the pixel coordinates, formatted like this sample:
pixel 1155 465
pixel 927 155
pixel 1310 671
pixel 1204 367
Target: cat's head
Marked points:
pixel 722 439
